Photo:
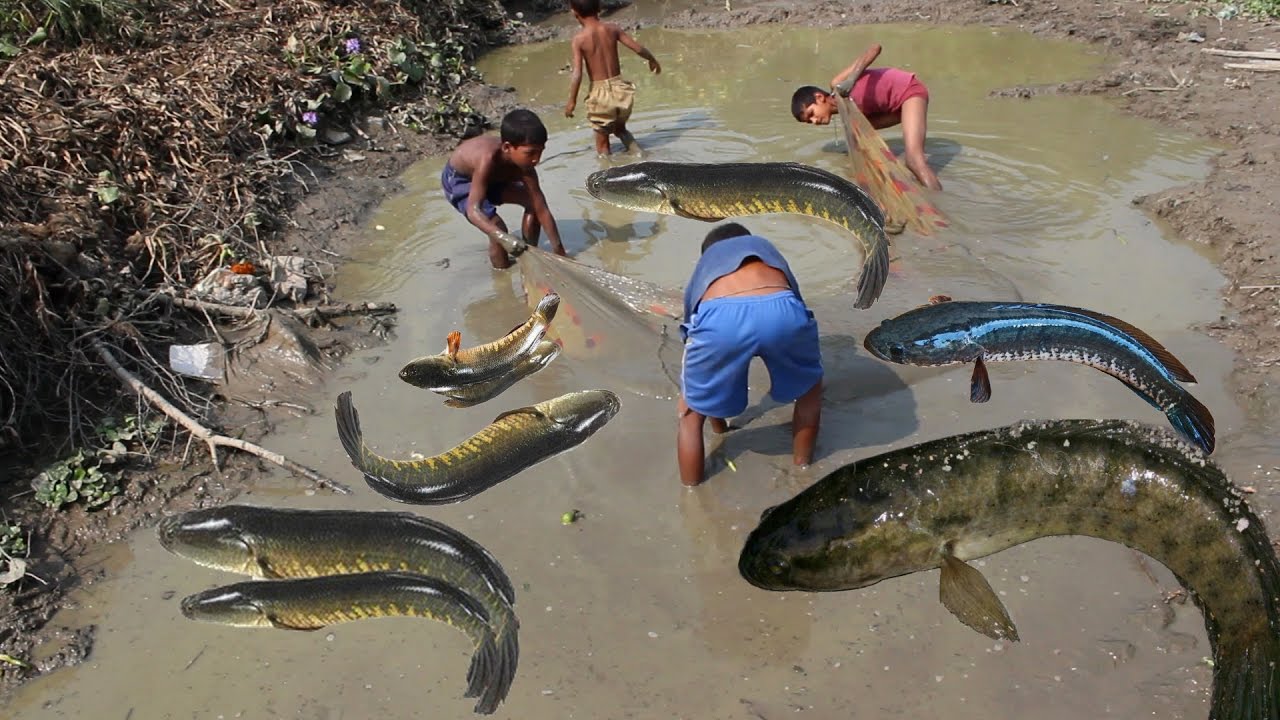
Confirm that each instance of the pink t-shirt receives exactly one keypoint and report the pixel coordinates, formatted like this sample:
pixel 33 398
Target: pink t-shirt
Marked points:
pixel 883 90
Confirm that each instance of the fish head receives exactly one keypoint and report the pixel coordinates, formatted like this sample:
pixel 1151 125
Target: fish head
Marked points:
pixel 226 606
pixel 548 305
pixel 634 187
pixel 584 412
pixel 843 532
pixel 923 337
pixel 429 373
pixel 210 537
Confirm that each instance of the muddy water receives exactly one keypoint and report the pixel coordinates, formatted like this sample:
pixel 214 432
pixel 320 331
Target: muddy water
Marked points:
pixel 637 610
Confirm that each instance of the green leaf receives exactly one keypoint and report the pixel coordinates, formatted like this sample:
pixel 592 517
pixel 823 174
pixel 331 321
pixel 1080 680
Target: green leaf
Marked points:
pixel 397 56
pixel 305 131
pixel 8 49
pixel 342 92
pixel 415 71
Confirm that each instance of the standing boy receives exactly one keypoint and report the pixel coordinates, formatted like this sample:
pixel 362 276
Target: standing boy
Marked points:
pixel 887 96
pixel 610 98
pixel 488 171
pixel 743 302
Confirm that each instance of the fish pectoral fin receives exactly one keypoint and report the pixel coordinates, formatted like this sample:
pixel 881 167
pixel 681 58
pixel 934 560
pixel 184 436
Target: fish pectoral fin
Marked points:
pixel 276 622
pixel 681 212
pixel 265 569
pixel 968 596
pixel 980 383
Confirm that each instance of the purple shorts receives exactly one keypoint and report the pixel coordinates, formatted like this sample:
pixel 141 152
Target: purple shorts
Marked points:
pixel 457 188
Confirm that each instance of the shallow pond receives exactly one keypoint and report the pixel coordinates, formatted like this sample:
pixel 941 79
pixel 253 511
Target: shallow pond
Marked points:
pixel 637 610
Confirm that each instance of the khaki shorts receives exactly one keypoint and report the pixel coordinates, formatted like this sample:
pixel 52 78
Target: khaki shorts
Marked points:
pixel 609 102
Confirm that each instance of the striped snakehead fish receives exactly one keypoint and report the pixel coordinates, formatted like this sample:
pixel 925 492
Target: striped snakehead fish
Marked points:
pixel 282 543
pixel 458 366
pixel 715 191
pixel 515 440
pixel 945 502
pixel 315 602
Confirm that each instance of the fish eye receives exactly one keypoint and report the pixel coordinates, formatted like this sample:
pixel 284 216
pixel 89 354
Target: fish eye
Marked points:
pixel 777 564
pixel 897 352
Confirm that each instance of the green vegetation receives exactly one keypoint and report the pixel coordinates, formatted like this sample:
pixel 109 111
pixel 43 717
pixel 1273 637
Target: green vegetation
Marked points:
pixel 64 22
pixel 94 477
pixel 13 553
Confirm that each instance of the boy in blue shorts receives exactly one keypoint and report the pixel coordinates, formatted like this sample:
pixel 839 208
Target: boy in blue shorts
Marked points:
pixel 743 302
pixel 488 171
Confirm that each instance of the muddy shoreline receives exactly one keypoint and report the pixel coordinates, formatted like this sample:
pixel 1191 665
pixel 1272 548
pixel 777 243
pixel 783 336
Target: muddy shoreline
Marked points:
pixel 1151 70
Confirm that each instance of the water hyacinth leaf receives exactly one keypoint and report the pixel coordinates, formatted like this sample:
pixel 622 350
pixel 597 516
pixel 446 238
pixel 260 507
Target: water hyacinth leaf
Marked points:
pixel 415 71
pixel 17 570
pixel 305 131
pixel 436 61
pixel 341 93
pixel 397 57
pixel 8 49
pixel 383 86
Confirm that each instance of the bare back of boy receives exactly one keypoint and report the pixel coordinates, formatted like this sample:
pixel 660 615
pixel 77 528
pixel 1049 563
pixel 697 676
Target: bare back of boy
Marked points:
pixel 598 46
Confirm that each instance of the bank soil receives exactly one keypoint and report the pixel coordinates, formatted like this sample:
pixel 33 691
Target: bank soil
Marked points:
pixel 1153 68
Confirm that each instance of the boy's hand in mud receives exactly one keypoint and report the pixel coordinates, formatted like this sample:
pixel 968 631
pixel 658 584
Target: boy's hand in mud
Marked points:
pixel 654 67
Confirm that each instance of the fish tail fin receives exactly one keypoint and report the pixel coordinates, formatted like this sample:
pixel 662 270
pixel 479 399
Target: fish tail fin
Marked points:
pixel 508 658
pixel 349 429
pixel 482 676
pixel 875 270
pixel 1194 421
pixel 1246 685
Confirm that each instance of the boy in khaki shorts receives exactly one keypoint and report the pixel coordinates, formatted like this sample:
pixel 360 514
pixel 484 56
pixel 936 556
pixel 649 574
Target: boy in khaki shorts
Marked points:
pixel 610 97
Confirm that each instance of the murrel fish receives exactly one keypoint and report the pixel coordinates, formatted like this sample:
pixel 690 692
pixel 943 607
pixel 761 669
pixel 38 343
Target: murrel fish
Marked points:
pixel 715 191
pixel 476 393
pixel 948 332
pixel 457 366
pixel 944 502
pixel 313 603
pixel 515 440
pixel 282 543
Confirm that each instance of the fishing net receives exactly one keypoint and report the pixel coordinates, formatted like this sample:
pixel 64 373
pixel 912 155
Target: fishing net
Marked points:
pixel 882 174
pixel 628 329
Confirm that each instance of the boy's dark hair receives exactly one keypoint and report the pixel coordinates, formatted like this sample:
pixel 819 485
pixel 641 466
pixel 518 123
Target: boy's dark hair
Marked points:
pixel 523 127
pixel 723 232
pixel 585 8
pixel 803 98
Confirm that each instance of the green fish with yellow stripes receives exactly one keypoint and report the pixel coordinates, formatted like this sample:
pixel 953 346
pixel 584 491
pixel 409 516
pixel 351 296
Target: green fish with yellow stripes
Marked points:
pixel 315 602
pixel 285 543
pixel 515 440
pixel 715 191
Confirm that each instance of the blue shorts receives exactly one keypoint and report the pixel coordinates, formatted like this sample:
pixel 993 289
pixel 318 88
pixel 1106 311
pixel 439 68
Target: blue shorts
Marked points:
pixel 457 188
pixel 726 333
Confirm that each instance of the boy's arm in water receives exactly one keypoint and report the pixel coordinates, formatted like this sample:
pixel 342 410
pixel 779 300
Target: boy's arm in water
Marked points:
pixel 640 50
pixel 575 81
pixel 543 212
pixel 843 82
pixel 479 192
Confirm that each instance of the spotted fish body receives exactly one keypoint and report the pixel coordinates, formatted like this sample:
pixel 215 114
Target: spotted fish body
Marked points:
pixel 315 602
pixel 946 333
pixel 450 371
pixel 281 543
pixel 722 190
pixel 973 495
pixel 476 393
pixel 515 440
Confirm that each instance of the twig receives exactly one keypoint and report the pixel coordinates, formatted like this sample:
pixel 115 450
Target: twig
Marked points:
pixel 1255 67
pixel 210 438
pixel 1260 54
pixel 1260 287
pixel 305 314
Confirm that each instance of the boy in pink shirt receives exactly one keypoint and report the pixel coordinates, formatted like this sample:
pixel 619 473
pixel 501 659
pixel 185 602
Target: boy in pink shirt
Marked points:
pixel 887 96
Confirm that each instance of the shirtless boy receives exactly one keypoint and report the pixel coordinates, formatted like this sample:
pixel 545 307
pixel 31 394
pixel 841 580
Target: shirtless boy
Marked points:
pixel 610 98
pixel 488 171
pixel 887 96
pixel 743 302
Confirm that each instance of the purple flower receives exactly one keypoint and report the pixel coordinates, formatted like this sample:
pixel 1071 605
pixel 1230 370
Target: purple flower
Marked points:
pixel 310 118
pixel 352 45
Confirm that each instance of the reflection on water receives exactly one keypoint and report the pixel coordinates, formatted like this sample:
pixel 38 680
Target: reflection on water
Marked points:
pixel 636 610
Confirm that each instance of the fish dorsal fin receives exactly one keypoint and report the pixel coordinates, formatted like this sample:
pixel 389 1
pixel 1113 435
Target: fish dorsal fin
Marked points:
pixel 522 411
pixel 1166 358
pixel 968 596
pixel 276 622
pixel 979 383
